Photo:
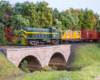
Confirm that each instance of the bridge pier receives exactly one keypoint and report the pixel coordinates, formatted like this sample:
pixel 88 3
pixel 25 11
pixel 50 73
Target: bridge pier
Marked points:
pixel 49 55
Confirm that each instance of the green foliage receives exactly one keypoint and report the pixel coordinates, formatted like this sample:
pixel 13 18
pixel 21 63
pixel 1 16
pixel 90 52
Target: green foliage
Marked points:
pixel 38 14
pixel 54 67
pixel 97 24
pixel 55 14
pixel 44 14
pixel 18 21
pixel 93 76
pixel 15 32
pixel 65 22
pixel 28 11
pixel 81 17
pixel 46 68
pixel 99 43
pixel 24 64
pixel 2 35
pixel 58 24
pixel 36 25
pixel 88 20
pixel 5 12
pixel 73 20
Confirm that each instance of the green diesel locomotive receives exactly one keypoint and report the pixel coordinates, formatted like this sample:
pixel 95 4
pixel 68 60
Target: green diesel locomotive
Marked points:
pixel 36 36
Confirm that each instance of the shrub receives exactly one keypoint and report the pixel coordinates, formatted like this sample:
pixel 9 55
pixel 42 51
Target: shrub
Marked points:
pixel 2 35
pixel 24 64
pixel 54 67
pixel 46 68
pixel 9 36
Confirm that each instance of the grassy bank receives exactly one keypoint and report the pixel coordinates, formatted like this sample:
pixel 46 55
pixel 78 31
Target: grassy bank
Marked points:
pixel 84 74
pixel 7 68
pixel 88 56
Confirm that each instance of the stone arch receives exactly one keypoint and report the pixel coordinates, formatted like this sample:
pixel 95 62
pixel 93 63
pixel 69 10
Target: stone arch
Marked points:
pixel 58 60
pixel 33 64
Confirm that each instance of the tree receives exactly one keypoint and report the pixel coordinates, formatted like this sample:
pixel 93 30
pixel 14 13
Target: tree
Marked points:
pixel 88 20
pixel 17 21
pixel 77 11
pixel 38 14
pixel 55 14
pixel 2 35
pixel 65 22
pixel 81 17
pixel 44 14
pixel 28 11
pixel 5 12
pixel 96 22
pixel 73 20
pixel 58 24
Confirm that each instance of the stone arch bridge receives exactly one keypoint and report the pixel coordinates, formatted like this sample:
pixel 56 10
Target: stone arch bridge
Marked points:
pixel 37 57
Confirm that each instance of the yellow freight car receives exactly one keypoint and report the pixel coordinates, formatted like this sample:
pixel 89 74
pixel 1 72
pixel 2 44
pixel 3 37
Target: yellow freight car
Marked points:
pixel 72 36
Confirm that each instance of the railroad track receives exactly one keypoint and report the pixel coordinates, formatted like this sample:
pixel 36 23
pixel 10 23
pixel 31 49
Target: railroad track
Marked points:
pixel 44 45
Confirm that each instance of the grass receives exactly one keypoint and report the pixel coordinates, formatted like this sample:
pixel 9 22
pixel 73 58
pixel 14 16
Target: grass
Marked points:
pixel 7 68
pixel 88 56
pixel 84 74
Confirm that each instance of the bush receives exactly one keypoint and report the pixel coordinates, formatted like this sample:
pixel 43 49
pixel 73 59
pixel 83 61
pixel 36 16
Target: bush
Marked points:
pixel 54 68
pixel 24 64
pixel 46 68
pixel 2 35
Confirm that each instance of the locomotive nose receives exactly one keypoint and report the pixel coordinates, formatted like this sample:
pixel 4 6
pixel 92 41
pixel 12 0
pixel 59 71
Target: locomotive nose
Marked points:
pixel 22 33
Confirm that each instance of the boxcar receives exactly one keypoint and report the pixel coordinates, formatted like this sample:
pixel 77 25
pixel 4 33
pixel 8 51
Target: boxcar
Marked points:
pixel 90 34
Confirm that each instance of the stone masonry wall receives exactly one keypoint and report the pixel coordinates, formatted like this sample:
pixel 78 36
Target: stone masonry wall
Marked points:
pixel 43 54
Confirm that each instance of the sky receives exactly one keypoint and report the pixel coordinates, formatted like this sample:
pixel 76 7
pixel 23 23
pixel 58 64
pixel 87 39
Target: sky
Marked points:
pixel 62 5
